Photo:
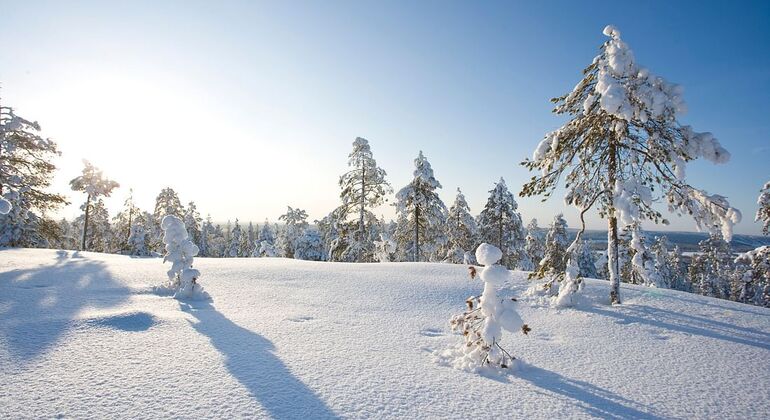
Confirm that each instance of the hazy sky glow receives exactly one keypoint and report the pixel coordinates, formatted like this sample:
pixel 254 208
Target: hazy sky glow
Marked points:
pixel 246 107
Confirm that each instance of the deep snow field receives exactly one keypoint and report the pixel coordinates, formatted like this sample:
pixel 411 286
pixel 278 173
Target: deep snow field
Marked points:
pixel 82 335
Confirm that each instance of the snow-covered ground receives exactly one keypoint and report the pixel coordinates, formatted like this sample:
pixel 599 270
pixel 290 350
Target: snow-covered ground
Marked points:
pixel 82 335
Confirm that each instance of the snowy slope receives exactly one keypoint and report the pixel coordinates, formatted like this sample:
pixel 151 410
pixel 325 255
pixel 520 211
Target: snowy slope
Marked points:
pixel 83 336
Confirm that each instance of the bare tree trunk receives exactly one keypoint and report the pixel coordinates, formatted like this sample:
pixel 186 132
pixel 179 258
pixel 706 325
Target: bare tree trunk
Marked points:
pixel 612 233
pixel 85 224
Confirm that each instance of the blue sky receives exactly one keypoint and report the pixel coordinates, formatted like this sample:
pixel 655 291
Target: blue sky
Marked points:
pixel 246 107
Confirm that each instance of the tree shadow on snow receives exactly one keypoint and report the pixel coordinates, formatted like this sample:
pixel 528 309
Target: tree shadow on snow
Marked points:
pixel 38 305
pixel 594 400
pixel 685 323
pixel 249 358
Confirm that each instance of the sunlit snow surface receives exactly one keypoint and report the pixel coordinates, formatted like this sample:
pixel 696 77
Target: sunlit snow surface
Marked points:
pixel 83 336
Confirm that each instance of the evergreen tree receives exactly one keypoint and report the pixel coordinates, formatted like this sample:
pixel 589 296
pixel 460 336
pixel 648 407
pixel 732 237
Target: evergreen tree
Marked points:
pixel 204 245
pixel 763 213
pixel 754 276
pixel 266 245
pixel 192 221
pixel 295 224
pixel 500 224
pixel 100 236
pixel 26 170
pixel 644 265
pixel 167 203
pixel 679 278
pixel 555 256
pixel 421 214
pixel 711 268
pixel 309 246
pixel 122 223
pixel 234 246
pixel 95 185
pixel 461 230
pixel 623 143
pixel 664 262
pixel 534 246
pixel 363 188
pixel 138 242
pixel 586 261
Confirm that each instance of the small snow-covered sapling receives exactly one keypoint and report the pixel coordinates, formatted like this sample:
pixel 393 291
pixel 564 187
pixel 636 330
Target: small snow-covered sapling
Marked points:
pixel 180 251
pixel 487 315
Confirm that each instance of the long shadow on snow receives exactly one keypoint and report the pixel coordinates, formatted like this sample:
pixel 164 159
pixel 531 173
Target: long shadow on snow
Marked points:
pixel 249 358
pixel 689 324
pixel 594 400
pixel 42 302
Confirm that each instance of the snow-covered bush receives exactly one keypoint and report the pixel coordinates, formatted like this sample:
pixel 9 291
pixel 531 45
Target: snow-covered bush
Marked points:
pixel 180 251
pixel 487 315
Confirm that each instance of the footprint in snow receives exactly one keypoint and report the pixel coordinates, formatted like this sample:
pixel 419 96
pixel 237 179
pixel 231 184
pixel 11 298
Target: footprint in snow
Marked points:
pixel 432 332
pixel 300 319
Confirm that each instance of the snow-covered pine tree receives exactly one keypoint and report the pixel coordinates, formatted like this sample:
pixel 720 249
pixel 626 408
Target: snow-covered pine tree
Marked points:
pixel 461 230
pixel 204 245
pixel 555 257
pixel 100 234
pixel 534 245
pixel 421 214
pixel 644 265
pixel 679 278
pixel 622 143
pixel 754 276
pixel 666 272
pixel 20 226
pixel 180 251
pixel 710 269
pixel 487 315
pixel 251 238
pixel 92 182
pixel 122 222
pixel 309 246
pixel 295 223
pixel 234 247
pixel 500 224
pixel 265 246
pixel 763 213
pixel 138 242
pixel 192 221
pixel 363 188
pixel 244 249
pixel 586 260
pixel 26 170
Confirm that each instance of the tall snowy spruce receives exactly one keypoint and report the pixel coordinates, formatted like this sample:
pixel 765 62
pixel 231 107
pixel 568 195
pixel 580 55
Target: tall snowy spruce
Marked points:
pixel 180 251
pixel 363 188
pixel 295 224
pixel 461 232
pixel 534 246
pixel 624 148
pixel 92 182
pixel 421 215
pixel 554 259
pixel 500 224
pixel 763 213
pixel 234 245
pixel 485 318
